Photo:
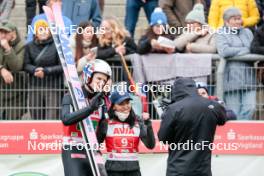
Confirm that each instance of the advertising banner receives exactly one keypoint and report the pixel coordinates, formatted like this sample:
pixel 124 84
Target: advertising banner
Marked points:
pixel 45 137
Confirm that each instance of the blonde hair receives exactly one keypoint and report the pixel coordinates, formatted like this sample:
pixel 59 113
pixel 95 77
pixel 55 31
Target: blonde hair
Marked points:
pixel 119 33
pixel 40 24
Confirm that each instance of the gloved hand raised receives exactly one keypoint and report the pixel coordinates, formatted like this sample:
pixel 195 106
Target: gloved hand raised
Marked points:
pixel 96 101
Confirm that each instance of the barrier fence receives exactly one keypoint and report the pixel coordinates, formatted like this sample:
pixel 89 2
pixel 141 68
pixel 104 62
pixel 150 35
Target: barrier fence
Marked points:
pixel 41 100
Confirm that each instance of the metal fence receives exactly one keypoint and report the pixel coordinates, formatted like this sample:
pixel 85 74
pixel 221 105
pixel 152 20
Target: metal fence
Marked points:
pixel 27 98
pixel 27 101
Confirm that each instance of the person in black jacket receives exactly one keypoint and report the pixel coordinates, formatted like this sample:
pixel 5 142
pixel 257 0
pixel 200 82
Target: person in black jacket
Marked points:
pixel 75 160
pixel 190 120
pixel 122 134
pixel 43 64
pixel 257 47
pixel 114 40
pixel 148 43
pixel 260 4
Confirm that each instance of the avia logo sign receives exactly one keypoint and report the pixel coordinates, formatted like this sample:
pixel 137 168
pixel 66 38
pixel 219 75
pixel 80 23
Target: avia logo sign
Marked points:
pixel 28 174
pixel 123 131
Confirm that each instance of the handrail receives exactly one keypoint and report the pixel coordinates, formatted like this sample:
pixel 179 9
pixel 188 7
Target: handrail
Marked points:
pixel 220 68
pixel 222 65
pixel 215 57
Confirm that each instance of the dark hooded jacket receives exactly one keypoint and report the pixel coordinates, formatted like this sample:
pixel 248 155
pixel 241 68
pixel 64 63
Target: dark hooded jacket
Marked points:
pixel 189 119
pixel 49 61
pixel 257 45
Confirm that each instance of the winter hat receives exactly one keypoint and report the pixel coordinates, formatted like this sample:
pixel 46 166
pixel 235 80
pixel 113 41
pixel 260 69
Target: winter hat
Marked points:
pixel 230 12
pixel 158 17
pixel 196 15
pixel 40 25
pixel 9 27
pixel 118 97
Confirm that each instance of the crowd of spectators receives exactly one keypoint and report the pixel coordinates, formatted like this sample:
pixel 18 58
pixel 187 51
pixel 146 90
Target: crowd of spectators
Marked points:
pixel 237 27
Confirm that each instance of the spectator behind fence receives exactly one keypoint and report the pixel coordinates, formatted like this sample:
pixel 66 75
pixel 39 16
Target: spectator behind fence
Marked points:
pixel 132 12
pixel 82 42
pixel 12 100
pixel 43 65
pixel 190 120
pixel 82 10
pixel 257 47
pixel 148 43
pixel 67 22
pixel 202 90
pixel 239 77
pixel 114 39
pixel 31 7
pixel 6 7
pixel 260 4
pixel 197 38
pixel 176 10
pixel 248 8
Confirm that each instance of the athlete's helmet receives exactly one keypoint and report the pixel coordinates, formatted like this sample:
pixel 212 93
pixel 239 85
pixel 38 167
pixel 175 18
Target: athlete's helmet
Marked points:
pixel 96 66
